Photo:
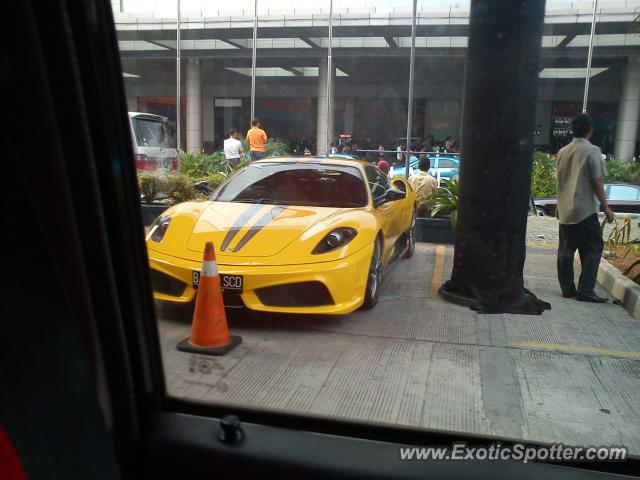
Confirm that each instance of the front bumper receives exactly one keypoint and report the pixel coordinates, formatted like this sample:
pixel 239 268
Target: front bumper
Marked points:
pixel 345 280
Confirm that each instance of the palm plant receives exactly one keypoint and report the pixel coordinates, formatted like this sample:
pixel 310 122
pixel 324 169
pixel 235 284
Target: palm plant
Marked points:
pixel 445 201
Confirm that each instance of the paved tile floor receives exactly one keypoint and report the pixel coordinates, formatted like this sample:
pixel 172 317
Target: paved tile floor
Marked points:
pixel 543 231
pixel 571 375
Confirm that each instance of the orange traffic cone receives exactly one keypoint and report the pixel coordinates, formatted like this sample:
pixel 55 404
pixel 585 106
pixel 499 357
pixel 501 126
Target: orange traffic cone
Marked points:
pixel 209 330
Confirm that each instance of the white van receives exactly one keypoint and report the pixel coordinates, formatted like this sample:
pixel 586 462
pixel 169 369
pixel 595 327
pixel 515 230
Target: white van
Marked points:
pixel 153 146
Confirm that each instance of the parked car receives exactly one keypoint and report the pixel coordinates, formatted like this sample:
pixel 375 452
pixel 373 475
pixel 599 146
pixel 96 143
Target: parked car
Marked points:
pixel 622 198
pixel 291 235
pixel 153 145
pixel 446 166
pixel 343 156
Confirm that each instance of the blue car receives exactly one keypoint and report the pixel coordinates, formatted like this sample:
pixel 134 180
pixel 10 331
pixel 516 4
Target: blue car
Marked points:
pixel 445 164
pixel 344 156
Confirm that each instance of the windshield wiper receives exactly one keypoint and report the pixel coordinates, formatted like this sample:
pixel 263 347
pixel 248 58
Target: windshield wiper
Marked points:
pixel 261 200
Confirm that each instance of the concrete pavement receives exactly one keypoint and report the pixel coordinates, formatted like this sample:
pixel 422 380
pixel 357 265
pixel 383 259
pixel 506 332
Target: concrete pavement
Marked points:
pixel 571 375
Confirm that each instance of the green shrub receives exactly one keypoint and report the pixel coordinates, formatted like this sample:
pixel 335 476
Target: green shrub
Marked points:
pixel 150 186
pixel 622 172
pixel 445 202
pixel 543 175
pixel 180 187
pixel 275 145
pixel 424 207
pixel 215 179
pixel 202 164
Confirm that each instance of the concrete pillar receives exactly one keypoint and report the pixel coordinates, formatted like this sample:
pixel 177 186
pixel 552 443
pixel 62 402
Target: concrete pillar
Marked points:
pixel 194 105
pixel 207 119
pixel 325 117
pixel 348 115
pixel 628 112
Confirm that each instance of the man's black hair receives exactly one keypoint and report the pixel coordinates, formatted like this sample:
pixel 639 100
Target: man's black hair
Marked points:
pixel 424 164
pixel 255 122
pixel 232 132
pixel 581 125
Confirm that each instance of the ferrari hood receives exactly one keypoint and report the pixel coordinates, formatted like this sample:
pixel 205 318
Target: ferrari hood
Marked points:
pixel 253 230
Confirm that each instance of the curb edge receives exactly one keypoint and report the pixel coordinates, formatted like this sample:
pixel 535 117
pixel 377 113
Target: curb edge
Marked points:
pixel 620 287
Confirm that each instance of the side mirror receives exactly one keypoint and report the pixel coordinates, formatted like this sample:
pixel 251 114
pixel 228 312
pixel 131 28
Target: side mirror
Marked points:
pixel 203 187
pixel 390 195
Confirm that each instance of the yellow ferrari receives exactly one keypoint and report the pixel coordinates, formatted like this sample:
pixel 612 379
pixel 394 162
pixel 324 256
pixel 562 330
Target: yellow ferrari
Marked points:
pixel 294 235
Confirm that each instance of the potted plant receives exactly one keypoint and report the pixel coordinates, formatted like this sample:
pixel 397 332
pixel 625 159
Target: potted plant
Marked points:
pixel 438 214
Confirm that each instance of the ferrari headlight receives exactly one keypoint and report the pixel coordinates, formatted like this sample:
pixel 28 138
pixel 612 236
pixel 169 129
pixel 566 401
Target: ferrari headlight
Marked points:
pixel 335 239
pixel 159 228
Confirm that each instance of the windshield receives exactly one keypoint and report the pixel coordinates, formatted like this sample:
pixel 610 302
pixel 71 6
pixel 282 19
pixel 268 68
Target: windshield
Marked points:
pixel 446 163
pixel 151 133
pixel 296 184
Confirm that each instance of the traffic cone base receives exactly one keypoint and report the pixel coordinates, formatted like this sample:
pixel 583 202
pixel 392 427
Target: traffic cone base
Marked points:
pixel 209 329
pixel 186 346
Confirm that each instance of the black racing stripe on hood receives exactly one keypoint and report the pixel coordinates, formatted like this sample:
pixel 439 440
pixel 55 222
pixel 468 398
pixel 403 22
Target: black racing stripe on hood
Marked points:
pixel 259 225
pixel 240 222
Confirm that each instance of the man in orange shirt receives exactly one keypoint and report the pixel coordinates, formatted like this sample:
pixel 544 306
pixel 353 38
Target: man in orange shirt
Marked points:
pixel 257 140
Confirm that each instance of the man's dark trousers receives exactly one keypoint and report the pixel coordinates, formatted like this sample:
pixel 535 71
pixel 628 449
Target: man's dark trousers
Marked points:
pixel 255 155
pixel 586 237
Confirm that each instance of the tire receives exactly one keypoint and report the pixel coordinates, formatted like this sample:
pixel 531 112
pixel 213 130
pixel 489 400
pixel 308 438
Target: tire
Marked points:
pixel 540 212
pixel 410 235
pixel 374 277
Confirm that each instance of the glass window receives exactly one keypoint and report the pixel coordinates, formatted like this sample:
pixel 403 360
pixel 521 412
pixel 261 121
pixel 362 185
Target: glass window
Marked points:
pixel 378 182
pixel 151 133
pixel 446 163
pixel 623 192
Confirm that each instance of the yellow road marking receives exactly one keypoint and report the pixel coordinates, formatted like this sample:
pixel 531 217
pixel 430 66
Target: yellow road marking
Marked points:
pixel 438 272
pixel 577 348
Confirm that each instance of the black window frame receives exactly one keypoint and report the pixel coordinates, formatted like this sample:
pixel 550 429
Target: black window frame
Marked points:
pixel 159 424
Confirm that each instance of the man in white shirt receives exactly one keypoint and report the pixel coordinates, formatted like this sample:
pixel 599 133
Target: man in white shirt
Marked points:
pixel 580 179
pixel 399 155
pixel 233 148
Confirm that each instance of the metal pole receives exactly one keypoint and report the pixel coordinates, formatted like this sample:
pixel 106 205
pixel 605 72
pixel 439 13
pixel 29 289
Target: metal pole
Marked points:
pixel 253 59
pixel 329 78
pixel 412 62
pixel 178 80
pixel 589 55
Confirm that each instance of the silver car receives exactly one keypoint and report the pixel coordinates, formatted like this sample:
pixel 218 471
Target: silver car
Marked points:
pixel 153 146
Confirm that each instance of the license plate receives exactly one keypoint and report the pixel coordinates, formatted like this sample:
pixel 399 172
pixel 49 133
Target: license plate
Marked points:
pixel 229 283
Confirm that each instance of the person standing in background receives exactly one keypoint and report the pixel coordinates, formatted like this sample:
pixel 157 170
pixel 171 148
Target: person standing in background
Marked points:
pixel 580 185
pixel 257 139
pixel 383 165
pixel 233 148
pixel 448 144
pixel 428 144
pixel 422 183
pixel 400 155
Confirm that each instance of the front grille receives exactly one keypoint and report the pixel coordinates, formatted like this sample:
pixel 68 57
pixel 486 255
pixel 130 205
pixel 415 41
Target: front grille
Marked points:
pixel 304 294
pixel 232 300
pixel 166 284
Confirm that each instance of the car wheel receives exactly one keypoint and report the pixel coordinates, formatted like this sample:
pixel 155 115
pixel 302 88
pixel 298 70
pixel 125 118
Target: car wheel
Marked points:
pixel 374 277
pixel 540 212
pixel 411 237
